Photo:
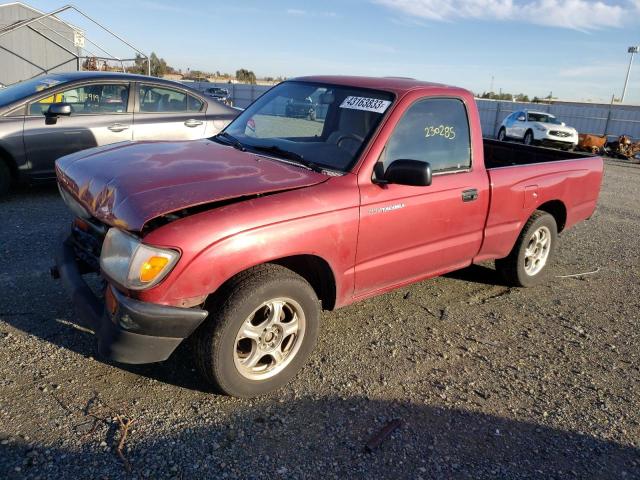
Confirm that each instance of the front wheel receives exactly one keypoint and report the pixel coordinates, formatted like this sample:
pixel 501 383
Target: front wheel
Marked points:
pixel 528 138
pixel 527 263
pixel 502 134
pixel 262 327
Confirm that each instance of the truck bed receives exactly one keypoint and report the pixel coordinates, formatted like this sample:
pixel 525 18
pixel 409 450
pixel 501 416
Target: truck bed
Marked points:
pixel 505 154
pixel 564 183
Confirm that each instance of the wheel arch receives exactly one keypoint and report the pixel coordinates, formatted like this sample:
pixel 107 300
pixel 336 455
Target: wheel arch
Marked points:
pixel 317 272
pixel 558 210
pixel 313 268
pixel 8 160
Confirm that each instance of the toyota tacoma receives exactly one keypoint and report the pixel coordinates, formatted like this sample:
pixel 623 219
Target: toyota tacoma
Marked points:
pixel 237 242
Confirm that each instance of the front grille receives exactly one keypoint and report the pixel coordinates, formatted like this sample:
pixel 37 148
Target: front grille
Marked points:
pixel 557 133
pixel 87 237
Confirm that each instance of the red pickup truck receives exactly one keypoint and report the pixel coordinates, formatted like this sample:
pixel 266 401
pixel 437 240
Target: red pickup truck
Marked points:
pixel 238 241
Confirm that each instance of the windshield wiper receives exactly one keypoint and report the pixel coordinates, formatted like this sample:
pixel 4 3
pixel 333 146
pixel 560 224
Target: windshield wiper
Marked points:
pixel 231 140
pixel 289 155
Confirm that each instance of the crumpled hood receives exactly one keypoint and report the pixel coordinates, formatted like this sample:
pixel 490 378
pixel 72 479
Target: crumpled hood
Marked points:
pixel 127 184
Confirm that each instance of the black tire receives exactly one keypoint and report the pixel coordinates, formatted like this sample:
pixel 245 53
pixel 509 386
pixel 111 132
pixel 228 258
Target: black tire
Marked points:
pixel 502 135
pixel 216 341
pixel 5 178
pixel 528 138
pixel 512 267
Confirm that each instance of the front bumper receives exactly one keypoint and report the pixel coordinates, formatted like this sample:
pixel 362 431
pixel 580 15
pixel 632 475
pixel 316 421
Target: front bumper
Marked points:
pixel 129 331
pixel 551 140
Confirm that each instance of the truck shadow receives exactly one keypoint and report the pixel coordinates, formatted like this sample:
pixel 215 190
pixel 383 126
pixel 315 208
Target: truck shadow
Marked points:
pixel 325 438
pixel 478 274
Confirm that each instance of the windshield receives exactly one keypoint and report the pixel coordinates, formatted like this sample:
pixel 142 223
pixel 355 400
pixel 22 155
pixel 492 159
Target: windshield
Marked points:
pixel 319 124
pixel 543 117
pixel 22 90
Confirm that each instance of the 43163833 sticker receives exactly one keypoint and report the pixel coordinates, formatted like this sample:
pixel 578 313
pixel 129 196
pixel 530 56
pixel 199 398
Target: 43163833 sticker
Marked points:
pixel 365 103
pixel 445 131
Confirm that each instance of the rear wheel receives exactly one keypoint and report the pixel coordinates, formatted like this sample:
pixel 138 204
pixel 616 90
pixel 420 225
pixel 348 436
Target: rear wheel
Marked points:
pixel 5 178
pixel 527 263
pixel 261 329
pixel 502 134
pixel 528 138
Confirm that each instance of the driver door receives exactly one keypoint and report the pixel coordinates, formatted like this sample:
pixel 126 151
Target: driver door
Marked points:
pixel 411 232
pixel 100 115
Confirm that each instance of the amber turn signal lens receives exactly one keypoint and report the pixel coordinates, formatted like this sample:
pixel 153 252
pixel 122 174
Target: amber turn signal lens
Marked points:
pixel 110 301
pixel 152 268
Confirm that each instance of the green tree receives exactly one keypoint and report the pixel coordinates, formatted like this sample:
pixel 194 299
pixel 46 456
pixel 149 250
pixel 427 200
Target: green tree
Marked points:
pixel 158 65
pixel 246 76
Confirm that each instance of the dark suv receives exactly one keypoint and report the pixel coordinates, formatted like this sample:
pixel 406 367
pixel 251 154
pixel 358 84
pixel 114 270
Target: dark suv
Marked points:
pixel 300 108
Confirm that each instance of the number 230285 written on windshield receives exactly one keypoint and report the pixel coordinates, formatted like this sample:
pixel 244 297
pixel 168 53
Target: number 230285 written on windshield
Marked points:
pixel 446 131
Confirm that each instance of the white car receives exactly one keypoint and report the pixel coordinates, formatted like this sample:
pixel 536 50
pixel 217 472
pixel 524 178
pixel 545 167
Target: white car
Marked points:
pixel 538 127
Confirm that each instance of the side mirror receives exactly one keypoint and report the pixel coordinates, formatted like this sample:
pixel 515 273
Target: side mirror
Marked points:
pixel 56 110
pixel 408 172
pixel 521 119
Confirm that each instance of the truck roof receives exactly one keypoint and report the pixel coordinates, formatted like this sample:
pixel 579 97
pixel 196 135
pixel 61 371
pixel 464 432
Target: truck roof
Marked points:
pixel 397 85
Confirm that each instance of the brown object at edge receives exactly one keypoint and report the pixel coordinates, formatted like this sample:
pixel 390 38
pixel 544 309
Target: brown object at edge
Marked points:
pixel 376 440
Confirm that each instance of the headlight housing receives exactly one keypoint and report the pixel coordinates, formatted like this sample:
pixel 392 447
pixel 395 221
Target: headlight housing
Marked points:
pixel 131 263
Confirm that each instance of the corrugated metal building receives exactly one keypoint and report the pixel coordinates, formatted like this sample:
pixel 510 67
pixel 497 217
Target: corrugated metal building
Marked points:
pixel 43 47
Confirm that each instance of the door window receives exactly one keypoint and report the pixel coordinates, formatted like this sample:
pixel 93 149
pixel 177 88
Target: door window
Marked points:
pixel 87 100
pixel 434 130
pixel 195 104
pixel 162 100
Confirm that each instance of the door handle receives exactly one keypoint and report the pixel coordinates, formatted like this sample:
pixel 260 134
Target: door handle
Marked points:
pixel 470 195
pixel 192 123
pixel 118 127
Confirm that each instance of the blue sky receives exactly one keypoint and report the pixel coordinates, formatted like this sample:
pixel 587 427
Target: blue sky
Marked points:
pixel 575 48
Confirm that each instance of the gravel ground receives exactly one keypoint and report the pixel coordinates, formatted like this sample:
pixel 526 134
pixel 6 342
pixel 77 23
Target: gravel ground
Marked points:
pixel 488 381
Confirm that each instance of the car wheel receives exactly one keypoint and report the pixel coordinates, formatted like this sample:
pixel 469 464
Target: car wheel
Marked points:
pixel 5 178
pixel 262 327
pixel 527 263
pixel 502 134
pixel 528 138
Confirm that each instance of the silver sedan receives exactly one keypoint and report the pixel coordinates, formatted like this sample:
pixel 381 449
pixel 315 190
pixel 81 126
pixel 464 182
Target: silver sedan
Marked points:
pixel 50 116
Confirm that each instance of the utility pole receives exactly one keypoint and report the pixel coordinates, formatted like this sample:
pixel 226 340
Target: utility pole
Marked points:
pixel 632 51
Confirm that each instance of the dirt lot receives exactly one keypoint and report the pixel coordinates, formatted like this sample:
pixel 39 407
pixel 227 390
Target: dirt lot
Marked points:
pixel 489 382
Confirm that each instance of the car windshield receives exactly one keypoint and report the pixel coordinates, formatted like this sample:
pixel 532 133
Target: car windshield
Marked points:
pixel 319 125
pixel 18 91
pixel 543 117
